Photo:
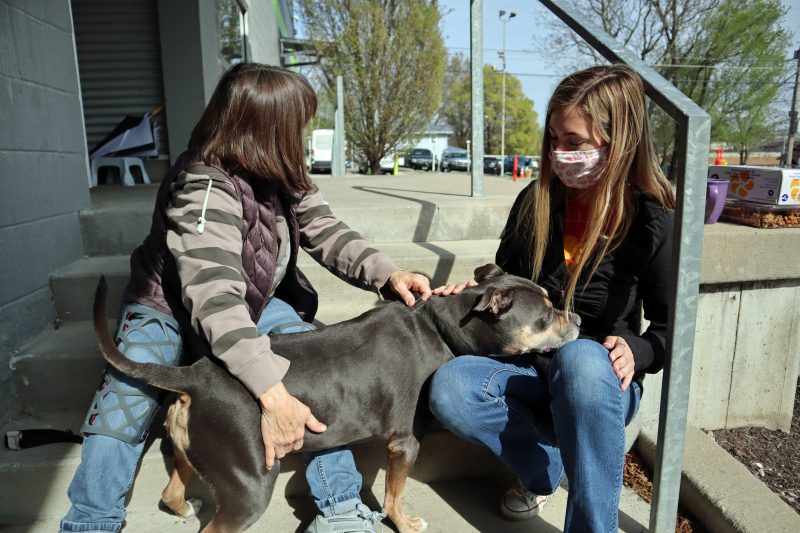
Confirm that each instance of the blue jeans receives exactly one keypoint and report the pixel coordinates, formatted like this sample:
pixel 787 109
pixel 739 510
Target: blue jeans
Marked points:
pixel 108 465
pixel 572 422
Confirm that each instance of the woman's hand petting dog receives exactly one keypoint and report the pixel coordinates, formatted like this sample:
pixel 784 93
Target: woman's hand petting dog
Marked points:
pixel 283 422
pixel 447 290
pixel 621 358
pixel 402 282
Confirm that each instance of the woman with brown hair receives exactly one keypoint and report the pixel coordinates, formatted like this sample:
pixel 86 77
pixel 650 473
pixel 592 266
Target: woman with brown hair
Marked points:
pixel 215 276
pixel 596 232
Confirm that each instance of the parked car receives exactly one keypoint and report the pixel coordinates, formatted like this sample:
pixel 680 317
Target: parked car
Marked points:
pixel 455 160
pixel 386 165
pixel 522 163
pixel 492 165
pixel 535 159
pixel 421 158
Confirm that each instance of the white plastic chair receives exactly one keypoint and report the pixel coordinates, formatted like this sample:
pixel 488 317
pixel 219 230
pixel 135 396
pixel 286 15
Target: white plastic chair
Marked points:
pixel 123 165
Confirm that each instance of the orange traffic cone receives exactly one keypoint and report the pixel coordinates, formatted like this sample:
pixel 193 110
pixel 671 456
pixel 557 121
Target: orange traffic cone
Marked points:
pixel 515 168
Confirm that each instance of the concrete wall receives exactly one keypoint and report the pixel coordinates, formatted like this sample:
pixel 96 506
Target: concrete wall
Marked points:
pixel 190 59
pixel 263 33
pixel 44 173
pixel 747 341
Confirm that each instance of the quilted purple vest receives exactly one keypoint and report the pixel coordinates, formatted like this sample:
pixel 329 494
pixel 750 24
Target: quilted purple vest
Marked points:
pixel 154 277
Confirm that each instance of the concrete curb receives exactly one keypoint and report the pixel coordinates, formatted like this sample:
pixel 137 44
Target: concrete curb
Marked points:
pixel 719 491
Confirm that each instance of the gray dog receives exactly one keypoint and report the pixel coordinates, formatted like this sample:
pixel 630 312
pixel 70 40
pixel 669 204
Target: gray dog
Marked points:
pixel 375 365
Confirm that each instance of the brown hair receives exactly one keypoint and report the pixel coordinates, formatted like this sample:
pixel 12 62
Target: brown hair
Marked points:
pixel 253 125
pixel 612 98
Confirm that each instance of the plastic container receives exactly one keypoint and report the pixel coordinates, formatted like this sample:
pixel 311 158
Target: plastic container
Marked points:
pixel 761 215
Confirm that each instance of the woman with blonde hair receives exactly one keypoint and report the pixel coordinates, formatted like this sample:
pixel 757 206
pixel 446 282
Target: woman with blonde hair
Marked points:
pixel 595 230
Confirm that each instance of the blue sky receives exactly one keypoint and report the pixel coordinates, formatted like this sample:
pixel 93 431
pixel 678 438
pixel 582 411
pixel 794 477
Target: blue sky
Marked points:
pixel 524 36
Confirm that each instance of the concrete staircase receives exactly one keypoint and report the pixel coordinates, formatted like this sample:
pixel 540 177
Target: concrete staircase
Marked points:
pixel 425 222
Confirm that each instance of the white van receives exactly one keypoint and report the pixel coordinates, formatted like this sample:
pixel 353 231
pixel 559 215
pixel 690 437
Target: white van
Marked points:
pixel 321 150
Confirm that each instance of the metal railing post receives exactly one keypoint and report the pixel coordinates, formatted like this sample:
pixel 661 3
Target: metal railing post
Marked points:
pixel 476 67
pixel 694 127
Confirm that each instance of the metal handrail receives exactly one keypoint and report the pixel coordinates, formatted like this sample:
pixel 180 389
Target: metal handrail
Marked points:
pixel 692 140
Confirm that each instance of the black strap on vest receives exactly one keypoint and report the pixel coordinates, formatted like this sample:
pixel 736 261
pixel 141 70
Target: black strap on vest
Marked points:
pixel 29 438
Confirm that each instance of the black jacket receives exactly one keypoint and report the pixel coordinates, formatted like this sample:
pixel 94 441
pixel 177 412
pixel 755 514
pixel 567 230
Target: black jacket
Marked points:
pixel 638 271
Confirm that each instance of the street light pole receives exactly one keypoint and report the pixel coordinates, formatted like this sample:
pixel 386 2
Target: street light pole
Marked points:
pixel 502 54
pixel 787 158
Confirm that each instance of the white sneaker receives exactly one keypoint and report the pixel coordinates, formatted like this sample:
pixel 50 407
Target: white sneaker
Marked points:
pixel 519 503
pixel 359 520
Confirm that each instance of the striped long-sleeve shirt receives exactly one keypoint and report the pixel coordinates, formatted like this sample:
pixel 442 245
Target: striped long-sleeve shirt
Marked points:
pixel 209 262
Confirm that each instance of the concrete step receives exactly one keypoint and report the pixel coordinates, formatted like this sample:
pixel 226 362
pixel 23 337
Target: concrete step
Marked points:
pixel 116 224
pixel 35 480
pixel 58 369
pixel 455 486
pixel 463 506
pixel 74 285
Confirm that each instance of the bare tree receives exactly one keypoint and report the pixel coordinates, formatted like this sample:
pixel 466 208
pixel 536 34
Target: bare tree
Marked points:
pixel 391 55
pixel 726 55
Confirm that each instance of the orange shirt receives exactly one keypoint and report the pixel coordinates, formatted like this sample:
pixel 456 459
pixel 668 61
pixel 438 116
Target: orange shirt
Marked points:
pixel 575 222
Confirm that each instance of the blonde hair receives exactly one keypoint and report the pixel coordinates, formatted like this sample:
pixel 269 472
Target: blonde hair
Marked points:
pixel 612 99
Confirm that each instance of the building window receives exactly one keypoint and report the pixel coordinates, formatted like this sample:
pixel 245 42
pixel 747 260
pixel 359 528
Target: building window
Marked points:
pixel 231 25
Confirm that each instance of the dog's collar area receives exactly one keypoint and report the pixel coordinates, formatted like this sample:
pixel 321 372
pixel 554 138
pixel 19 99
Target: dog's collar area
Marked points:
pixel 419 304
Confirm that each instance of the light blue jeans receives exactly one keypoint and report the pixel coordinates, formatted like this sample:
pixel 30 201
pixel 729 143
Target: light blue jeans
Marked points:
pixel 108 465
pixel 573 422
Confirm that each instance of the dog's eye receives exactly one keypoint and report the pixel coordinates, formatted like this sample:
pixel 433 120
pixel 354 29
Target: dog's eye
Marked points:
pixel 547 318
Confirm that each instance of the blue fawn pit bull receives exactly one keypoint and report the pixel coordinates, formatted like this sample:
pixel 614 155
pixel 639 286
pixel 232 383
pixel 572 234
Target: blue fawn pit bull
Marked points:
pixel 363 378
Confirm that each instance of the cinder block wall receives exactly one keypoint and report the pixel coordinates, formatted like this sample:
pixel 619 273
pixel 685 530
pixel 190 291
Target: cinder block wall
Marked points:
pixel 43 166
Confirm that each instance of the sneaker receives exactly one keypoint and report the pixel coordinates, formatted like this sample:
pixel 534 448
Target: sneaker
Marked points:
pixel 359 520
pixel 519 503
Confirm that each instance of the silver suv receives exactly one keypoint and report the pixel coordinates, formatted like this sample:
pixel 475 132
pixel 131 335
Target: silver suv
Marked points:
pixel 455 160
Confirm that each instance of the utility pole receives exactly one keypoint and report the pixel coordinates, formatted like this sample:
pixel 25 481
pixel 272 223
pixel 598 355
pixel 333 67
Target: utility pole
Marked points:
pixel 787 158
pixel 502 54
pixel 337 157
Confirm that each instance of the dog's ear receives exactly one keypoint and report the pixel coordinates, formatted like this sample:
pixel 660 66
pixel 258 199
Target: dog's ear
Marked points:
pixel 487 271
pixel 496 301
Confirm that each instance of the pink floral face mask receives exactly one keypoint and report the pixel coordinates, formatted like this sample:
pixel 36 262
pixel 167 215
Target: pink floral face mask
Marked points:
pixel 579 169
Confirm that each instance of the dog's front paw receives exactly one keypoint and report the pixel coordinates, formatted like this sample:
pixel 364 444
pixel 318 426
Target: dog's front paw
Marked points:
pixel 413 524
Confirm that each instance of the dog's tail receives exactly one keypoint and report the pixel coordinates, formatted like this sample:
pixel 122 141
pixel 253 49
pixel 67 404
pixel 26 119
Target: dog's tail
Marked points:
pixel 160 376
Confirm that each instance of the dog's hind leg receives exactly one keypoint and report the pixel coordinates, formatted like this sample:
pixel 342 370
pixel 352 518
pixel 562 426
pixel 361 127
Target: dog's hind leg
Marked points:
pixel 402 454
pixel 174 494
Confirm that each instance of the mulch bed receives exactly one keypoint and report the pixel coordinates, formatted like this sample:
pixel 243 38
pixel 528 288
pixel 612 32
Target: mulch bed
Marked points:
pixel 638 475
pixel 771 455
